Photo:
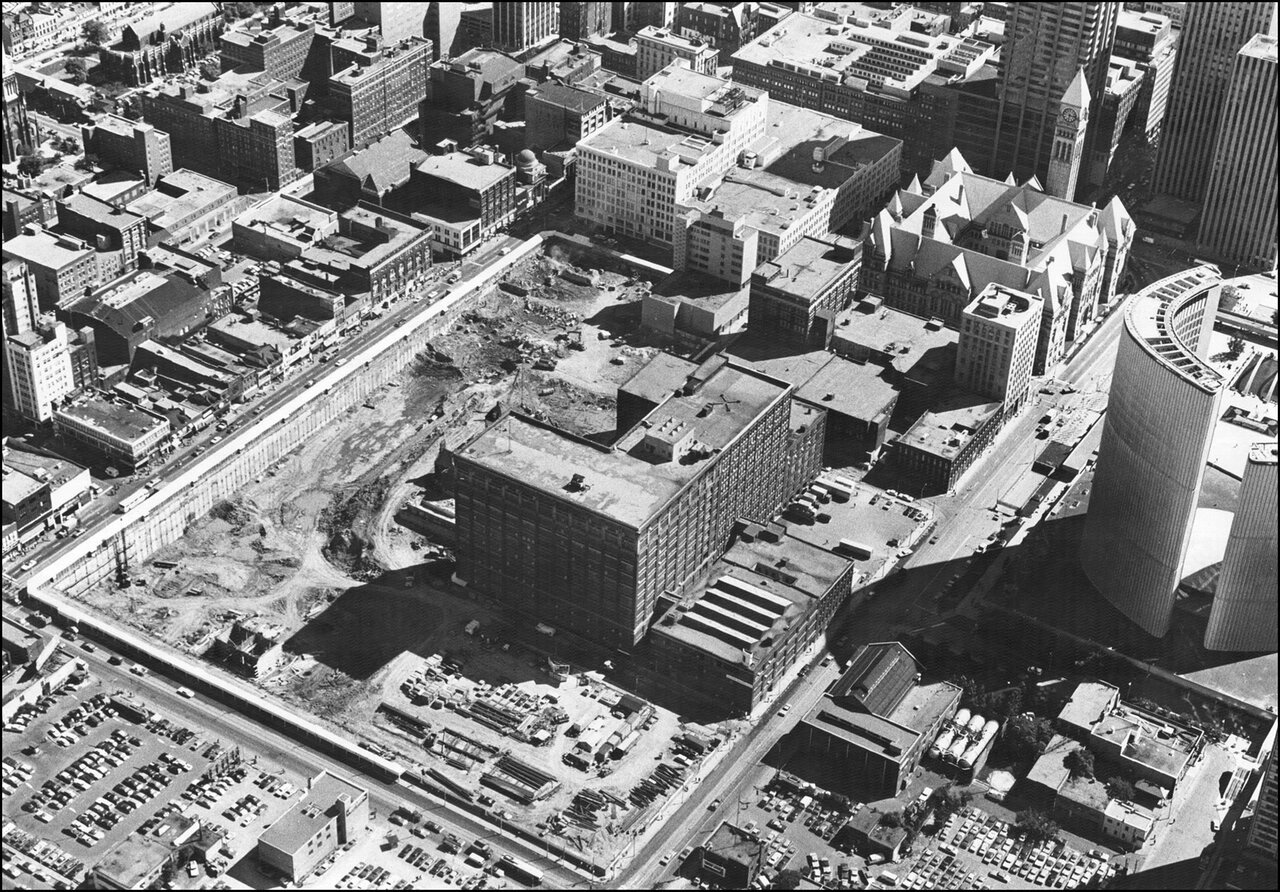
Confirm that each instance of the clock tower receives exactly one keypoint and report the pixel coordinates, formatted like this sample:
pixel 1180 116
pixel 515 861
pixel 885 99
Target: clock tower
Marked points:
pixel 1068 139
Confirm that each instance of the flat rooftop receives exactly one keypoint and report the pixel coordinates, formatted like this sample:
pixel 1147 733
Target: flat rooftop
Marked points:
pixel 57 470
pixel 112 184
pixel 114 419
pixel 754 593
pixel 1139 740
pixel 100 212
pixel 18 486
pixel 851 389
pixel 44 248
pixel 809 267
pixel 793 132
pixel 698 289
pixel 299 824
pixel 252 331
pixel 621 483
pixel 948 428
pixel 129 861
pixel 842 43
pixel 567 97
pixel 287 217
pixel 1089 701
pixel 1005 307
pixel 465 170
pixel 660 377
pixel 1149 318
pixel 353 248
pixel 905 339
pixel 644 144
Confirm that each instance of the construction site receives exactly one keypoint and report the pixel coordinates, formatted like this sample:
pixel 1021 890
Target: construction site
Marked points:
pixel 327 578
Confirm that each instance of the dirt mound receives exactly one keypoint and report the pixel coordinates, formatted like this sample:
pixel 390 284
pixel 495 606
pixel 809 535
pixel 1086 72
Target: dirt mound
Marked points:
pixel 233 512
pixel 344 523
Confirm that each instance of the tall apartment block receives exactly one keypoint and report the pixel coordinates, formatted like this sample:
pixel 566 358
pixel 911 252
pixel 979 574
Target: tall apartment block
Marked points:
pixel 779 194
pixel 19 309
pixel 658 14
pixel 1211 39
pixel 939 244
pixel 1238 223
pixel 63 266
pixel 557 115
pixel 136 146
pixel 108 227
pixel 1243 615
pixel 1150 42
pixel 1165 402
pixel 580 20
pixel 1050 48
pixel 518 26
pixel 796 296
pixel 376 98
pixel 656 48
pixel 40 363
pixel 877 69
pixel 588 537
pixel 238 128
pixel 727 27
pixel 997 347
pixel 634 171
pixel 397 21
pixel 279 50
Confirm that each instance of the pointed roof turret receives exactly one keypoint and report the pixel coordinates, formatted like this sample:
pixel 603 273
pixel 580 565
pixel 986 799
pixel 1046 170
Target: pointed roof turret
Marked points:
pixel 1077 95
pixel 1115 220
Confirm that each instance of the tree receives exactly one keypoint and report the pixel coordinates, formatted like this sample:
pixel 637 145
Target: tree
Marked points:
pixel 1026 737
pixel 1120 788
pixel 948 800
pixel 210 69
pixel 1079 763
pixel 95 33
pixel 786 879
pixel 1037 825
pixel 30 166
pixel 891 819
pixel 1235 346
pixel 77 70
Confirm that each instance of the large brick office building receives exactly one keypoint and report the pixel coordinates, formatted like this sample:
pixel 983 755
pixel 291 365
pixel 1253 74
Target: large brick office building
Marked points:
pixel 587 537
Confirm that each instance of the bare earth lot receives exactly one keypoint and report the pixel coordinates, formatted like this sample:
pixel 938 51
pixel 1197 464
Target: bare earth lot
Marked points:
pixel 312 546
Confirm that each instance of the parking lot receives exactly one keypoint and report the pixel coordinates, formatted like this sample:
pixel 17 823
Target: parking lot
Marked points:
pixel 85 767
pixel 978 851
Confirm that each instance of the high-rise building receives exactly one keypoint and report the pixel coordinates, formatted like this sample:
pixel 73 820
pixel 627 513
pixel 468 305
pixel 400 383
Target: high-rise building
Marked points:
pixel 1213 35
pixel 518 26
pixel 1243 615
pixel 580 20
pixel 40 362
pixel 586 537
pixel 376 98
pixel 998 333
pixel 18 311
pixel 279 50
pixel 656 48
pixel 1165 401
pixel 63 266
pixel 1262 832
pixel 443 21
pixel 1238 224
pixel 876 69
pixel 634 171
pixel 135 146
pixel 396 21
pixel 797 295
pixel 1055 54
pixel 1149 41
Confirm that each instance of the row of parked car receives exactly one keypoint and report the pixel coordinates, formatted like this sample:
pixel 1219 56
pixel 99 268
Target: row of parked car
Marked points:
pixel 26 714
pixel 1048 863
pixel 124 798
pixel 58 791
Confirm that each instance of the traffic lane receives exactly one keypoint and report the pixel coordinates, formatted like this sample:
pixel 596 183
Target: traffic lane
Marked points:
pixel 161 693
pixel 676 831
